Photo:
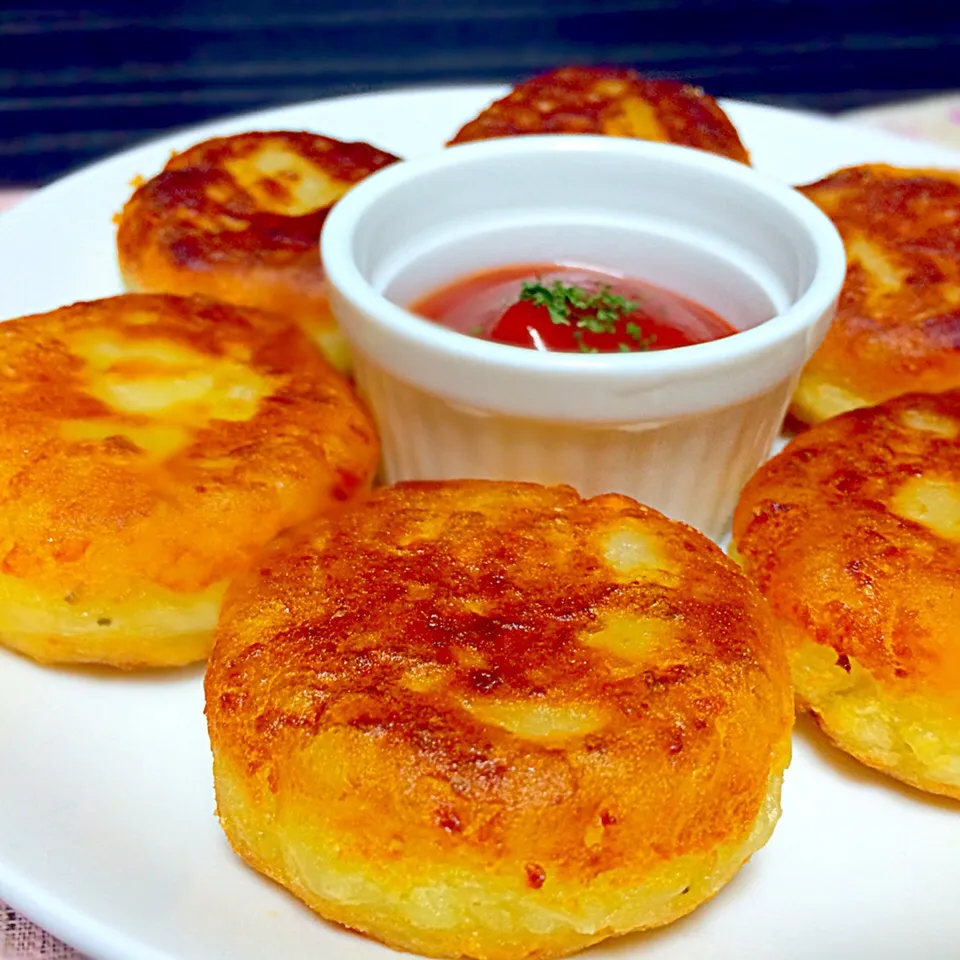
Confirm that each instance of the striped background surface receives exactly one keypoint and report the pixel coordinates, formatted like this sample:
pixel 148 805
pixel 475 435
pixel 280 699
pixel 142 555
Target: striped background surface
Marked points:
pixel 78 80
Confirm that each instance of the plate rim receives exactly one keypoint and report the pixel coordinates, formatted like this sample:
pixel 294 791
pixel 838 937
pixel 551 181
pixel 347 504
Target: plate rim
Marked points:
pixel 206 128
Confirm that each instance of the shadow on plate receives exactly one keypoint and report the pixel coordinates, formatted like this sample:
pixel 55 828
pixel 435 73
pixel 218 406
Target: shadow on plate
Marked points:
pixel 845 765
pixel 632 944
pixel 152 676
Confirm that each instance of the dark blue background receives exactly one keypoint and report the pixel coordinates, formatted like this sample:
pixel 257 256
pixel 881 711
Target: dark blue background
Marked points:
pixel 84 79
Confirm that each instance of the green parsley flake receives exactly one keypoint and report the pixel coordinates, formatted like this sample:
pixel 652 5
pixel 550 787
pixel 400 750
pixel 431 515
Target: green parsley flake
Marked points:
pixel 599 312
pixel 636 334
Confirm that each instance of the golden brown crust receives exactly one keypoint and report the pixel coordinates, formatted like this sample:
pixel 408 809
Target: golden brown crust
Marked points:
pixel 853 535
pixel 898 325
pixel 149 447
pixel 823 516
pixel 238 219
pixel 541 691
pixel 611 101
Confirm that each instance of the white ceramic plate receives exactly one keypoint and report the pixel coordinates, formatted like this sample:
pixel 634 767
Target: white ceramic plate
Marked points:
pixel 107 834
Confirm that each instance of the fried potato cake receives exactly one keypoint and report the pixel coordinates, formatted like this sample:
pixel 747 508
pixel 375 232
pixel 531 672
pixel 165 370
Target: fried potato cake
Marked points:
pixel 149 447
pixel 897 329
pixel 853 535
pixel 238 219
pixel 615 102
pixel 497 720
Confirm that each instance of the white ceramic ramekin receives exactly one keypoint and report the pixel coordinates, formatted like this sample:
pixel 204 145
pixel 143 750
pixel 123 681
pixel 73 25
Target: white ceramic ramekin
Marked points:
pixel 678 429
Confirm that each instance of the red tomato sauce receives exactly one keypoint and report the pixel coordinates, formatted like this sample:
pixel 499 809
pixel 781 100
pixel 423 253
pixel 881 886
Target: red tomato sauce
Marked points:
pixel 561 308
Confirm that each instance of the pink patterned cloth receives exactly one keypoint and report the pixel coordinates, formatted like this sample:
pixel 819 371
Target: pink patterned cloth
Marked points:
pixel 936 119
pixel 9 198
pixel 22 940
